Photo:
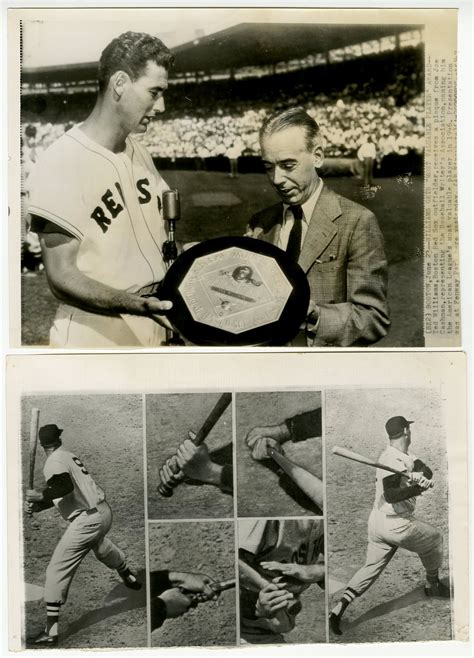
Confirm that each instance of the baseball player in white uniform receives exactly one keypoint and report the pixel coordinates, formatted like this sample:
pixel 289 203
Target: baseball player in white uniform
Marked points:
pixel 392 522
pixel 95 201
pixel 81 502
pixel 288 555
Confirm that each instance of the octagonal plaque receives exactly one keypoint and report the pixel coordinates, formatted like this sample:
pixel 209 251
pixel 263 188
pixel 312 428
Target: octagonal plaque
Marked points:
pixel 236 291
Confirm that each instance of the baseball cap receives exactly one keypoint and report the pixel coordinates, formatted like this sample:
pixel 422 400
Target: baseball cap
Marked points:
pixel 396 425
pixel 49 435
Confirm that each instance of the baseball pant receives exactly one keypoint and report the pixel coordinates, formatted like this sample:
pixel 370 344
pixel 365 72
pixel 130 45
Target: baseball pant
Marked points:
pixel 386 535
pixel 73 327
pixel 86 532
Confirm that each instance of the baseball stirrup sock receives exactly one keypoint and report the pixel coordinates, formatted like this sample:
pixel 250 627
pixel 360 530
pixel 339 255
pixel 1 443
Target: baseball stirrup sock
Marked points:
pixel 348 596
pixel 52 618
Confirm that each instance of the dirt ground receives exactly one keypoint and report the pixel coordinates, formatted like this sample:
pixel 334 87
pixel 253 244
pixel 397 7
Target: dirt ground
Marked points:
pixel 395 607
pixel 105 432
pixel 168 420
pixel 212 623
pixel 262 488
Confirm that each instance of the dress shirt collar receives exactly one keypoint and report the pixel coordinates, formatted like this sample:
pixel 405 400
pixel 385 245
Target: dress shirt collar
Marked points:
pixel 309 205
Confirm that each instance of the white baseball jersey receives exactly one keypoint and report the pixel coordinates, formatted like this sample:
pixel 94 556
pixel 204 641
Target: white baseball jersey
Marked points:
pixel 300 541
pixel 110 202
pixel 402 462
pixel 86 493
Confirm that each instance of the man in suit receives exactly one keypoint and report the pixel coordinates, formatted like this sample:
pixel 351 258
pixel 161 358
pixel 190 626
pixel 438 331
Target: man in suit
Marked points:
pixel 337 242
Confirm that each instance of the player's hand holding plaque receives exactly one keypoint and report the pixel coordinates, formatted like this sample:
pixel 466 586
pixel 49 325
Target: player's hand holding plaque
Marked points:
pixel 236 291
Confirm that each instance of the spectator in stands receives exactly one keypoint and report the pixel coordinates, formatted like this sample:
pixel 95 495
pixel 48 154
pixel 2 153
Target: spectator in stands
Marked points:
pixel 337 242
pixel 95 201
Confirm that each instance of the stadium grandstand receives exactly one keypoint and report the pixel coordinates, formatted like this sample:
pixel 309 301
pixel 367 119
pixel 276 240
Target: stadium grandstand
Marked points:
pixel 355 80
pixel 370 83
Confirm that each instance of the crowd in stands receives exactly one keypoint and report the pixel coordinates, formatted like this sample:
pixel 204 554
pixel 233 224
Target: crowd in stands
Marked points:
pixel 377 95
pixel 380 96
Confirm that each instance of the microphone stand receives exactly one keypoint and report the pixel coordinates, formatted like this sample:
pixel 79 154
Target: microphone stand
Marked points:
pixel 171 214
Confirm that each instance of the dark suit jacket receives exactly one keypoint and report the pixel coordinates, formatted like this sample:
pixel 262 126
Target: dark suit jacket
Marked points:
pixel 344 259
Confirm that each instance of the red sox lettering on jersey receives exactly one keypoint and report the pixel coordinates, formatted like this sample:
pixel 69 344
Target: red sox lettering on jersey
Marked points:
pixel 113 204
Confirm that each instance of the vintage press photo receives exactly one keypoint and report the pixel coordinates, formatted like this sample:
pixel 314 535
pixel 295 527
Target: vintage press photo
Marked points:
pixel 83 525
pixel 389 552
pixel 282 580
pixel 103 139
pixel 388 536
pixel 279 454
pixel 186 554
pixel 189 442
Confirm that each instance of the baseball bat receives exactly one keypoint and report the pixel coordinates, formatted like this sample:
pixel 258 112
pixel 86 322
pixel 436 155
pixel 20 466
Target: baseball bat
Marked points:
pixel 250 579
pixel 356 457
pixel 217 588
pixel 34 422
pixel 219 408
pixel 306 481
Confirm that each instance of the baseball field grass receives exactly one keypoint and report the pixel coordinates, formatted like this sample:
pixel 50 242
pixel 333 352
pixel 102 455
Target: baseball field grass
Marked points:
pixel 214 205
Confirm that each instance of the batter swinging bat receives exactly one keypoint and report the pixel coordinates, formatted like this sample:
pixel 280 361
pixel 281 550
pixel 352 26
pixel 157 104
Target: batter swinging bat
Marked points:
pixel 348 454
pixel 34 422
pixel 306 481
pixel 221 405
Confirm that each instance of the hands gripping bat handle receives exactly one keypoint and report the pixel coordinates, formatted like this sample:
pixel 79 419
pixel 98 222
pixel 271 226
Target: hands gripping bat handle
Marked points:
pixel 221 405
pixel 217 588
pixel 356 457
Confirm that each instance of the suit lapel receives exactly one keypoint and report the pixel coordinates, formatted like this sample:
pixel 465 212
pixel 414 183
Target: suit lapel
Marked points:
pixel 321 229
pixel 274 221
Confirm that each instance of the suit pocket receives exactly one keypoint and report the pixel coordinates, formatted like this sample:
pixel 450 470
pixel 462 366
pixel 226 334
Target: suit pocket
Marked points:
pixel 328 282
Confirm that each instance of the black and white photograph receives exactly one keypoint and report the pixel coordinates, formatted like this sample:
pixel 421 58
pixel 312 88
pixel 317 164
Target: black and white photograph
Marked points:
pixel 282 581
pixel 192 584
pixel 83 522
pixel 145 132
pixel 279 450
pixel 387 507
pixel 189 456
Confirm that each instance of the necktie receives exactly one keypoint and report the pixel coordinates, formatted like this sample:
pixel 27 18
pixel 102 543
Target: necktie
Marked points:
pixel 294 240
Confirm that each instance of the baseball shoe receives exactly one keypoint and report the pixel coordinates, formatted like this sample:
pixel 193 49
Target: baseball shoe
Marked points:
pixel 43 640
pixel 439 590
pixel 334 621
pixel 130 580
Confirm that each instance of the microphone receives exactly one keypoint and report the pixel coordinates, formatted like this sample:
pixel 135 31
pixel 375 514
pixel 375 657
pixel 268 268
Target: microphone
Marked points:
pixel 171 214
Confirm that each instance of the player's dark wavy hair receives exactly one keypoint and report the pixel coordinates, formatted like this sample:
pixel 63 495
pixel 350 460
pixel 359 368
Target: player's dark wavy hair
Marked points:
pixel 130 52
pixel 295 116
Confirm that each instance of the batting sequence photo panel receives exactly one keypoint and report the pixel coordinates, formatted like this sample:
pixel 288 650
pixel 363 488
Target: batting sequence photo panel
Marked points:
pixel 234 518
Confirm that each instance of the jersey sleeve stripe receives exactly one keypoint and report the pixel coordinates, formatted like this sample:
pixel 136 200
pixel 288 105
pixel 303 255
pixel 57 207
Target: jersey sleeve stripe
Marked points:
pixel 55 219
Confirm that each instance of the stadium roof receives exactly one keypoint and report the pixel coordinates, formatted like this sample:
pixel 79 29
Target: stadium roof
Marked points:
pixel 246 44
pixel 250 44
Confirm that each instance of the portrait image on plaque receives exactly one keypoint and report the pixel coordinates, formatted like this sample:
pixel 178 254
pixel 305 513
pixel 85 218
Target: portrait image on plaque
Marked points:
pixel 236 291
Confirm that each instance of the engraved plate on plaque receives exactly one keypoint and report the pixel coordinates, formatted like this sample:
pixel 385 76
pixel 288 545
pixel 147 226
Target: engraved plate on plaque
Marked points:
pixel 236 291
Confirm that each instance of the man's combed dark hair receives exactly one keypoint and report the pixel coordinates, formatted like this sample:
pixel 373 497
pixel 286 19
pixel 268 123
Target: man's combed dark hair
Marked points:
pixel 130 52
pixel 294 117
